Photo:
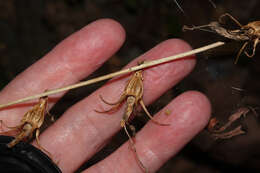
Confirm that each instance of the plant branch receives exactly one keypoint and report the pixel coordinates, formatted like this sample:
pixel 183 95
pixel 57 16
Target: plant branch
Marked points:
pixel 121 72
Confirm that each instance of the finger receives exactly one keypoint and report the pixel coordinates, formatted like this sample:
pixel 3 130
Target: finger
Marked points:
pixel 156 144
pixel 81 131
pixel 73 59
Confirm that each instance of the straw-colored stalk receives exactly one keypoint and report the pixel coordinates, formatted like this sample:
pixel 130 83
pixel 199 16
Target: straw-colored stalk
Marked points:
pixel 121 72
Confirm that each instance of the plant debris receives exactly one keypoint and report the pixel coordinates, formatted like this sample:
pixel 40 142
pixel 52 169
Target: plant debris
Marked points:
pixel 217 132
pixel 133 94
pixel 249 33
pixel 31 121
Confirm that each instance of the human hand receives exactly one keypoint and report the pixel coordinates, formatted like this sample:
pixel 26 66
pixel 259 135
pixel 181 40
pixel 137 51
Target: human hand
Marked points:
pixel 78 134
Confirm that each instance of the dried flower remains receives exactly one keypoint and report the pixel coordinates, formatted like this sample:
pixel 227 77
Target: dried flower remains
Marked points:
pixel 249 33
pixel 218 132
pixel 31 121
pixel 133 94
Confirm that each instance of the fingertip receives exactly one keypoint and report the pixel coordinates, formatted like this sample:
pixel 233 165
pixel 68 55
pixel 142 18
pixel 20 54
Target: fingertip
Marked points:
pixel 111 29
pixel 197 103
pixel 114 27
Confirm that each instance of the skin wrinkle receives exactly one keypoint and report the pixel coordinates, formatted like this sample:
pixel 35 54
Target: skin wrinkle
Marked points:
pixel 129 160
pixel 93 131
pixel 146 146
pixel 73 128
pixel 95 136
pixel 66 133
pixel 101 167
pixel 72 132
pixel 147 153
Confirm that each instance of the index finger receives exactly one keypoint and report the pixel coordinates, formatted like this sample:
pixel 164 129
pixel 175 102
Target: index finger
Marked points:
pixel 71 60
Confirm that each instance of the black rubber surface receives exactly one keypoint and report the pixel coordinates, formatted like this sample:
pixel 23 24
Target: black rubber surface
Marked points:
pixel 24 157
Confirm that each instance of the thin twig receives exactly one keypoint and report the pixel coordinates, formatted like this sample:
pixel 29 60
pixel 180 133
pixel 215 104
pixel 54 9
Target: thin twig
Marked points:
pixel 121 72
pixel 213 4
pixel 178 5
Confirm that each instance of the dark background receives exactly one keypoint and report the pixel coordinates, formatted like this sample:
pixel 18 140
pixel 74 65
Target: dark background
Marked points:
pixel 29 29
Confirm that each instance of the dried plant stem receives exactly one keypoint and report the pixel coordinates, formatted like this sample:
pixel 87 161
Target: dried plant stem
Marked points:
pixel 178 5
pixel 121 72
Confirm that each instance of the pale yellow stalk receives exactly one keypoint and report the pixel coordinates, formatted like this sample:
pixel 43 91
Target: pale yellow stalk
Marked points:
pixel 121 72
